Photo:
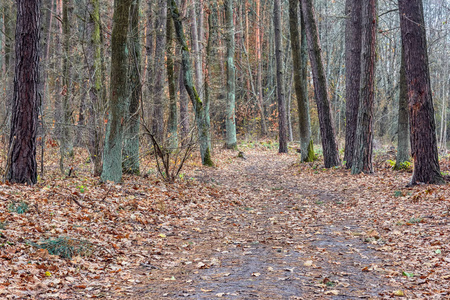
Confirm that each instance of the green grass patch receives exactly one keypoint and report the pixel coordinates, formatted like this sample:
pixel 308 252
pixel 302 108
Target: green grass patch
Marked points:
pixel 66 247
pixel 19 207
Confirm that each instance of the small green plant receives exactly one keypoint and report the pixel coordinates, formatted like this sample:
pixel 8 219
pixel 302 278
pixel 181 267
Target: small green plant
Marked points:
pixel 3 224
pixel 406 165
pixel 19 207
pixel 66 247
pixel 319 202
pixel 415 220
pixel 82 188
pixel 398 194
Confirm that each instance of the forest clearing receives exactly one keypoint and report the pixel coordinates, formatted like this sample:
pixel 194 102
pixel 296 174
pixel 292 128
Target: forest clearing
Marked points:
pixel 264 227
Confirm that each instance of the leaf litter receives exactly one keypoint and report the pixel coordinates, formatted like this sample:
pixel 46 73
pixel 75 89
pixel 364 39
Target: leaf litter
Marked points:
pixel 265 227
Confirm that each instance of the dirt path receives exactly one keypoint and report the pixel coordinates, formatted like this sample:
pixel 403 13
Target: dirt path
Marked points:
pixel 287 239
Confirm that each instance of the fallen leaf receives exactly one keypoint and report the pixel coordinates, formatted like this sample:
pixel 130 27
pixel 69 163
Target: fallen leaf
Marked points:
pixel 308 263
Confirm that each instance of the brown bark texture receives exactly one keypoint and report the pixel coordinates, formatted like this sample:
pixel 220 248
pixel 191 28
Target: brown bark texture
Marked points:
pixel 353 42
pixel 329 145
pixel 22 166
pixel 420 104
pixel 362 158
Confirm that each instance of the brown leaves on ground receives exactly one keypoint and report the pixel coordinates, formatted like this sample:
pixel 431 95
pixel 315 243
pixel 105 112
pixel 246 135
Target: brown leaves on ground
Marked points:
pixel 246 224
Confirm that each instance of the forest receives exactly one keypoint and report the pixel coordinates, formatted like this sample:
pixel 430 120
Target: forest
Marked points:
pixel 224 149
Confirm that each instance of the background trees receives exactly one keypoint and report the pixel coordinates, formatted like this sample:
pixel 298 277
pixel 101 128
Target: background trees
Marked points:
pixel 225 39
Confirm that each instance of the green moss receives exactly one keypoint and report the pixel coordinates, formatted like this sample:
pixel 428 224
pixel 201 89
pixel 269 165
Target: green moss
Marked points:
pixel 207 160
pixel 311 155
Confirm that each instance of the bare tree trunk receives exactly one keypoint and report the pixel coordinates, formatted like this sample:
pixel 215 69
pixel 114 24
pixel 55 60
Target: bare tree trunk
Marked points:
pixel 112 156
pixel 199 106
pixel 158 92
pixel 353 42
pixel 362 158
pixel 403 148
pixel 259 88
pixel 230 122
pixel 282 119
pixel 421 111
pixel 170 54
pixel 22 166
pixel 130 154
pixel 329 145
pixel 300 81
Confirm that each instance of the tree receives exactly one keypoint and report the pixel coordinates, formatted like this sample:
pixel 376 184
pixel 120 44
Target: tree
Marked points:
pixel 170 65
pixel 282 118
pixel 298 43
pixel 95 105
pixel 353 43
pixel 329 145
pixel 22 166
pixel 362 157
pixel 112 155
pixel 421 112
pixel 230 122
pixel 403 148
pixel 130 155
pixel 198 104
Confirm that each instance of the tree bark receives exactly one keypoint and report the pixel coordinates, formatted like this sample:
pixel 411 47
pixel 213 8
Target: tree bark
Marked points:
pixel 230 122
pixel 300 81
pixel 158 92
pixel 362 158
pixel 199 106
pixel 112 155
pixel 22 166
pixel 403 148
pixel 281 100
pixel 95 105
pixel 421 112
pixel 329 145
pixel 130 154
pixel 259 83
pixel 353 43
pixel 173 114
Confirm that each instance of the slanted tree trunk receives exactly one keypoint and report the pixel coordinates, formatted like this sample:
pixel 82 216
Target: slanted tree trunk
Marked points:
pixel 199 106
pixel 170 54
pixel 159 94
pixel 403 148
pixel 22 166
pixel 230 122
pixel 95 105
pixel 130 154
pixel 353 42
pixel 329 145
pixel 112 155
pixel 421 112
pixel 282 118
pixel 362 158
pixel 300 82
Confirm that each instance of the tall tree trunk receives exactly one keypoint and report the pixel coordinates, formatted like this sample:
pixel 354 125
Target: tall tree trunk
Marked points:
pixel 199 106
pixel 8 21
pixel 150 58
pixel 362 158
pixel 420 103
pixel 95 105
pixel 282 118
pixel 173 114
pixel 197 39
pixel 159 94
pixel 403 148
pixel 66 146
pixel 112 155
pixel 130 155
pixel 329 145
pixel 230 122
pixel 353 42
pixel 259 83
pixel 300 82
pixel 22 166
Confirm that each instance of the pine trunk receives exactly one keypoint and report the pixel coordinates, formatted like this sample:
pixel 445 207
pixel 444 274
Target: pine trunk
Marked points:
pixel 353 42
pixel 421 112
pixel 22 166
pixel 362 157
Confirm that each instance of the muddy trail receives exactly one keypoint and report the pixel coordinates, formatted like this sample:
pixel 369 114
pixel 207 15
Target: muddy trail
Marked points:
pixel 288 237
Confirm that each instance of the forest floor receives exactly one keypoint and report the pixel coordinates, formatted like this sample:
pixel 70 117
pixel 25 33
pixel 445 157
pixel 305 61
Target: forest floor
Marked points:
pixel 264 227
